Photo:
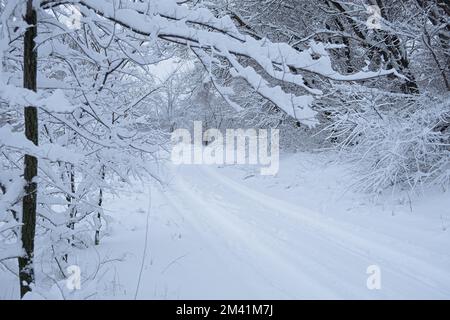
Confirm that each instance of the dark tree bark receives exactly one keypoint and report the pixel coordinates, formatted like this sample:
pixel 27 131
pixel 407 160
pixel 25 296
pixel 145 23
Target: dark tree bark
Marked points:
pixel 26 268
pixel 397 53
pixel 438 12
pixel 391 50
pixel 99 217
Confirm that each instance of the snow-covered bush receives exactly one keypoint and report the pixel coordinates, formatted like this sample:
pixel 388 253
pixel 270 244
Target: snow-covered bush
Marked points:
pixel 397 140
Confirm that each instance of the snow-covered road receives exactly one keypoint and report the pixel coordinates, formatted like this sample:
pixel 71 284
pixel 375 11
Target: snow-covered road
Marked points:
pixel 213 235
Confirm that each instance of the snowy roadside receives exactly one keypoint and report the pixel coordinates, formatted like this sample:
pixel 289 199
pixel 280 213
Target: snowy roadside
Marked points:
pixel 230 233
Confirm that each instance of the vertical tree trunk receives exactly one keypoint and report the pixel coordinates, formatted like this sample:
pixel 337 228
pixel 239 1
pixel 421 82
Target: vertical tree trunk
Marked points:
pixel 26 268
pixel 99 217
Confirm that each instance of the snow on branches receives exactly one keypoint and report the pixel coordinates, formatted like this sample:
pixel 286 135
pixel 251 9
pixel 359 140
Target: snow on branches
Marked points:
pixel 198 28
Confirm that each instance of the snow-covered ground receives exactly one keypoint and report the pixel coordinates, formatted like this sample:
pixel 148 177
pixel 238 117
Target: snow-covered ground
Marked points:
pixel 227 232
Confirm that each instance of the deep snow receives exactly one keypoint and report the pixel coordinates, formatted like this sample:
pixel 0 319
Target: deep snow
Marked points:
pixel 229 233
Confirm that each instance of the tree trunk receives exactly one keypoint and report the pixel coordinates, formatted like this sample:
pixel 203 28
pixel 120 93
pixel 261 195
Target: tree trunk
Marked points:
pixel 99 216
pixel 26 268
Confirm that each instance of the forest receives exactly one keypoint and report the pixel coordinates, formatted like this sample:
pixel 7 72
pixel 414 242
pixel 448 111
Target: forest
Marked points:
pixel 120 178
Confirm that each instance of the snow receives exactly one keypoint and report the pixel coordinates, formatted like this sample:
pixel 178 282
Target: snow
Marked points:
pixel 171 21
pixel 57 102
pixel 215 235
pixel 112 88
pixel 53 152
pixel 229 233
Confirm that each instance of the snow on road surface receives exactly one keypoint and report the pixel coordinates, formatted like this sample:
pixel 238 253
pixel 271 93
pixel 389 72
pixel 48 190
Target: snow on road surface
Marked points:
pixel 230 233
pixel 224 233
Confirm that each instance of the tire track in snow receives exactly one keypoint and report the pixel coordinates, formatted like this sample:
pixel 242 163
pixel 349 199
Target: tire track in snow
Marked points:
pixel 203 229
pixel 312 270
pixel 405 266
pixel 253 244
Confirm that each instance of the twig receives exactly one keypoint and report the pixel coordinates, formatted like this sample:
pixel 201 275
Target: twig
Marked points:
pixel 145 242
